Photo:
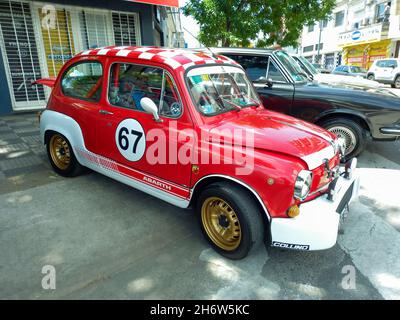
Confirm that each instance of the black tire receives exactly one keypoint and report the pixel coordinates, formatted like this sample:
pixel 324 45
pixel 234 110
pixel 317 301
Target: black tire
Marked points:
pixel 73 168
pixel 397 83
pixel 359 134
pixel 370 77
pixel 247 212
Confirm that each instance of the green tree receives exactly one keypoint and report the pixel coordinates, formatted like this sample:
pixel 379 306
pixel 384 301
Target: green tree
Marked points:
pixel 268 22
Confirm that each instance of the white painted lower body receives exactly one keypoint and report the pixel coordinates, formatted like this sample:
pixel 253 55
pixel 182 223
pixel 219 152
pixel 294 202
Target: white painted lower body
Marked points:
pixel 316 227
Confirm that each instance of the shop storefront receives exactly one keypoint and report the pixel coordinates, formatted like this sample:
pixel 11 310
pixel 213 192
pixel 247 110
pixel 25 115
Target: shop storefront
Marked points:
pixel 362 47
pixel 364 55
pixel 37 38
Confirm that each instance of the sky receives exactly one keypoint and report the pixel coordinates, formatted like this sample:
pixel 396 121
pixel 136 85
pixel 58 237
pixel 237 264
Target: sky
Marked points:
pixel 191 25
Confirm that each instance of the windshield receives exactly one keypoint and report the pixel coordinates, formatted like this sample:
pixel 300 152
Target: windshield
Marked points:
pixel 219 89
pixel 308 65
pixel 355 69
pixel 291 66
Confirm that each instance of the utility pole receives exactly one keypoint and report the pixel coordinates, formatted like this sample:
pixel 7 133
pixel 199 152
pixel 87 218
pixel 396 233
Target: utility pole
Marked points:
pixel 319 40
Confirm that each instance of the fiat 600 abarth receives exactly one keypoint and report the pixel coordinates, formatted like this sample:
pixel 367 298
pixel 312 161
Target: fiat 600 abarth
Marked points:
pixel 189 129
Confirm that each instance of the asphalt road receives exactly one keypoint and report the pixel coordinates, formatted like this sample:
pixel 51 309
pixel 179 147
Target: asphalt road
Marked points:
pixel 107 240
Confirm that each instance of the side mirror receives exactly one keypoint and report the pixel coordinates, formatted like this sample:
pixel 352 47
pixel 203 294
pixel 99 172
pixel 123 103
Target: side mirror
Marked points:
pixel 149 106
pixel 269 83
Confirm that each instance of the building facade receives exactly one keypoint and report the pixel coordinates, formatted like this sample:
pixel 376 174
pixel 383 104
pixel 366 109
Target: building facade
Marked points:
pixel 37 38
pixel 358 32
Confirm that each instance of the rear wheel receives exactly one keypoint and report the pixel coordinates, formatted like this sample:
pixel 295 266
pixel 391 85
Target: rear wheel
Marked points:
pixel 62 156
pixel 396 83
pixel 230 219
pixel 371 77
pixel 352 132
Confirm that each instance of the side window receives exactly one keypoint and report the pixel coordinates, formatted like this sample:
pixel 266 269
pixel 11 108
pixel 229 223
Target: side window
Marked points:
pixel 391 64
pixel 83 81
pixel 345 69
pixel 255 66
pixel 274 74
pixel 381 64
pixel 129 83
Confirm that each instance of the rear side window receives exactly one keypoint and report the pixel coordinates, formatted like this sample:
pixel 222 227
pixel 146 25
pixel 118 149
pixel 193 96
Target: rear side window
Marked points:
pixel 255 66
pixel 83 80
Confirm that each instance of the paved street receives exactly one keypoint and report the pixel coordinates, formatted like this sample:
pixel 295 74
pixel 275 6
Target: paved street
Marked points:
pixel 107 240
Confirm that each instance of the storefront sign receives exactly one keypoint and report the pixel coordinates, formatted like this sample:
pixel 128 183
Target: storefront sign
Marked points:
pixel 361 36
pixel 168 3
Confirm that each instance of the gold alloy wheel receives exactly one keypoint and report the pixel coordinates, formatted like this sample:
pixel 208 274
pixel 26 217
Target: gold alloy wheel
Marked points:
pixel 221 223
pixel 60 152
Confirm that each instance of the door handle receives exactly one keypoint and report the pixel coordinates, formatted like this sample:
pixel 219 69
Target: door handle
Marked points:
pixel 105 112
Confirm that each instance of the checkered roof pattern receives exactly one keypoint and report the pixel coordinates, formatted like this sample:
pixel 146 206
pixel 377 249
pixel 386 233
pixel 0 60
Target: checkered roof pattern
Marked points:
pixel 177 59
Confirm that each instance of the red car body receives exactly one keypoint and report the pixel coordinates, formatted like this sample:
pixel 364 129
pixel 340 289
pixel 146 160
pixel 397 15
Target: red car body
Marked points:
pixel 283 146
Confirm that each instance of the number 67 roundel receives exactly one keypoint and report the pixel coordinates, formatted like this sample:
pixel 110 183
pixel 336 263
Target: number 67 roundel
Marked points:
pixel 130 139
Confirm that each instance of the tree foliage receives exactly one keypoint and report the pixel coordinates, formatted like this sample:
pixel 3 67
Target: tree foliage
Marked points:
pixel 267 22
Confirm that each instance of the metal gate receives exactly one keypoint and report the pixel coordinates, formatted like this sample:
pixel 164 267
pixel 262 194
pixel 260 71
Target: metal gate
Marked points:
pixel 20 55
pixel 37 38
pixel 126 29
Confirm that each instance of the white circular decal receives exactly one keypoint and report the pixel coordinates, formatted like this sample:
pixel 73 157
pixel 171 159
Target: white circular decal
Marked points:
pixel 130 139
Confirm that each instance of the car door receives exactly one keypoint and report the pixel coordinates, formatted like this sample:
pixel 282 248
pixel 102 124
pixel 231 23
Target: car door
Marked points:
pixel 275 91
pixel 390 70
pixel 79 96
pixel 132 137
pixel 381 70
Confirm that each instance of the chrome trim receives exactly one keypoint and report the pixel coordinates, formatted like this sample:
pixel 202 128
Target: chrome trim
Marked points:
pixel 394 131
pixel 237 181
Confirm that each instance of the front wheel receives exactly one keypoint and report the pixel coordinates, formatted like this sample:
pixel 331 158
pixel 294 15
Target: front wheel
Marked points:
pixel 371 77
pixel 355 135
pixel 62 156
pixel 230 219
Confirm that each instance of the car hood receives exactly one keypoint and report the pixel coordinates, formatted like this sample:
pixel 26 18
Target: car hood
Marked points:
pixel 336 79
pixel 346 89
pixel 279 133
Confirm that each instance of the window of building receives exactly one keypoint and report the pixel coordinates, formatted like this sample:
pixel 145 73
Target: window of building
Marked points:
pixel 83 81
pixel 324 23
pixel 126 29
pixel 339 18
pixel 129 83
pixel 321 45
pixel 308 48
pixel 311 28
pixel 20 53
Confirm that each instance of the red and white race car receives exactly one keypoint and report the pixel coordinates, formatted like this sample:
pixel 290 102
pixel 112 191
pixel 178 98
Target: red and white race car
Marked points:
pixel 189 129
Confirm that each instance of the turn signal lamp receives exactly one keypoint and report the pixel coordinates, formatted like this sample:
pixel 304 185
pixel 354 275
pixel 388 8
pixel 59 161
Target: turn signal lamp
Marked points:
pixel 293 211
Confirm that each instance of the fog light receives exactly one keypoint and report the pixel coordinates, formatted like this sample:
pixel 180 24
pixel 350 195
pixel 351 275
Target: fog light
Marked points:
pixel 293 211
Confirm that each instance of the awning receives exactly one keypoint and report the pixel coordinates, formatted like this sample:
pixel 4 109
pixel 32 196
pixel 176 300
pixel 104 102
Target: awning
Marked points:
pixel 168 3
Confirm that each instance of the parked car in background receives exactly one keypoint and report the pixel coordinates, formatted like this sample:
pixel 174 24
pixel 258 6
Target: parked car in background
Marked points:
pixel 354 71
pixel 317 76
pixel 108 105
pixel 385 71
pixel 351 113
pixel 320 68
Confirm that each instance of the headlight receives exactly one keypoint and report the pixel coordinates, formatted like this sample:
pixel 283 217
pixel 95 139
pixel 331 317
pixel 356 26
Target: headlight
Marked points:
pixel 340 146
pixel 303 184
